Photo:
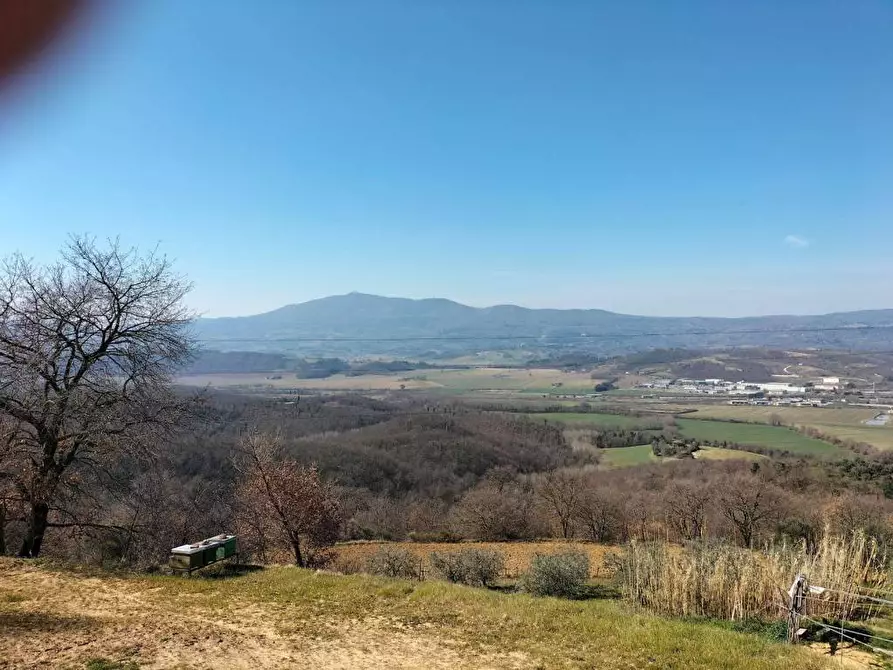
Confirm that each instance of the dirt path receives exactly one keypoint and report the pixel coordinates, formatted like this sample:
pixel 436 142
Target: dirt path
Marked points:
pixel 60 620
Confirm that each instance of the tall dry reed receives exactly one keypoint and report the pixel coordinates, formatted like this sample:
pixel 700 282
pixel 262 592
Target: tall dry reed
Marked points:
pixel 727 582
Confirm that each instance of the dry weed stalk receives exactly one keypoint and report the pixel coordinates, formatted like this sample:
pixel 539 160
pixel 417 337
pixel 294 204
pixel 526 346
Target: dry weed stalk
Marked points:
pixel 728 582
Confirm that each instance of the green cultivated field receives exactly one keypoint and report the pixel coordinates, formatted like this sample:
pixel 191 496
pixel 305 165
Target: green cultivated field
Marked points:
pixel 842 422
pixel 771 437
pixel 624 457
pixel 766 436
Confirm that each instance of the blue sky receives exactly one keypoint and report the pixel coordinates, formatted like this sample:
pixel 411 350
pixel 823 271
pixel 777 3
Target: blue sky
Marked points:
pixel 715 158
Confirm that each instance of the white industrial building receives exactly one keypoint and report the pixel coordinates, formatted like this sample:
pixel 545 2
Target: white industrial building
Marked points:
pixel 768 387
pixel 778 387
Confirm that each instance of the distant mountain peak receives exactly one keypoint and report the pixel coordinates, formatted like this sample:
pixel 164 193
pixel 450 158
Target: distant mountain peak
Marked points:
pixel 374 324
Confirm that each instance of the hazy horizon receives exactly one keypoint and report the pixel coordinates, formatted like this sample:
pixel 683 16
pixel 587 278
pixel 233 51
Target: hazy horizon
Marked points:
pixel 512 304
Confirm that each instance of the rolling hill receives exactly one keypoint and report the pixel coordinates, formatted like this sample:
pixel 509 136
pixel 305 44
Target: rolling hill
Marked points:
pixel 361 324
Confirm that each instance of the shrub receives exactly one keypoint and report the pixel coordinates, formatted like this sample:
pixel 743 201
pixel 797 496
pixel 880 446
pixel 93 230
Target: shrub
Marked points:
pixel 393 562
pixel 563 574
pixel 448 566
pixel 106 664
pixel 474 567
pixel 441 536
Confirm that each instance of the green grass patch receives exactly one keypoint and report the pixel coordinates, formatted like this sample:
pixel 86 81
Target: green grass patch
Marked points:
pixel 771 437
pixel 552 632
pixel 625 457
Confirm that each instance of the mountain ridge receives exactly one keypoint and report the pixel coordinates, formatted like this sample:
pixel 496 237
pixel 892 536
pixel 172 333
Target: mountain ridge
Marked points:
pixel 373 296
pixel 369 320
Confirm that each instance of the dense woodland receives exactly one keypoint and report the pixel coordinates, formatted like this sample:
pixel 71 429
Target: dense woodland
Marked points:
pixel 413 470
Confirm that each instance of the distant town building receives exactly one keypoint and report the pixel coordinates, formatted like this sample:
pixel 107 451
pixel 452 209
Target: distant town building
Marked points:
pixel 777 387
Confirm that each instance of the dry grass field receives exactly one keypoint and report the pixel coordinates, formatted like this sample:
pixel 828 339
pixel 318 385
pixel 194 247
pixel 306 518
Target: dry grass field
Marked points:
pixel 719 454
pixel 282 618
pixel 352 556
pixel 806 416
pixel 625 457
pixel 506 379
pixel 877 436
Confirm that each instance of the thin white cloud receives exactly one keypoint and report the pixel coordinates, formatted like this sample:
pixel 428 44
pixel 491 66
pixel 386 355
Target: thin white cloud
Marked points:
pixel 796 242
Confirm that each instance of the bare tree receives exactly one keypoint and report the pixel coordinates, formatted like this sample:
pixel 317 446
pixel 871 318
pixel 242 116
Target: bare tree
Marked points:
pixel 686 509
pixel 490 513
pixel 851 511
pixel 382 517
pixel 640 511
pixel 282 505
pixel 748 503
pixel 88 346
pixel 600 514
pixel 561 491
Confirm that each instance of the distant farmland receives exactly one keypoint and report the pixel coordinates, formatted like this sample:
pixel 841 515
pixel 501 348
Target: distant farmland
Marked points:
pixel 806 416
pixel 595 419
pixel 720 454
pixel 846 423
pixel 535 380
pixel 448 381
pixel 761 435
pixel 625 457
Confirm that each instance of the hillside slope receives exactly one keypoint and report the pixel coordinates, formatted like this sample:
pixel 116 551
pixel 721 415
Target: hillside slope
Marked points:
pixel 357 323
pixel 286 618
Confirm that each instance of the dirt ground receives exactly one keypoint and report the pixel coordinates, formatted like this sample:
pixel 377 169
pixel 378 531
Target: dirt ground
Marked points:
pixel 52 619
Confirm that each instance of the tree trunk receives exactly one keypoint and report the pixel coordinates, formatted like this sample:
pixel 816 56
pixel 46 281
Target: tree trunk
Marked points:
pixel 566 527
pixel 37 526
pixel 296 547
pixel 2 529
